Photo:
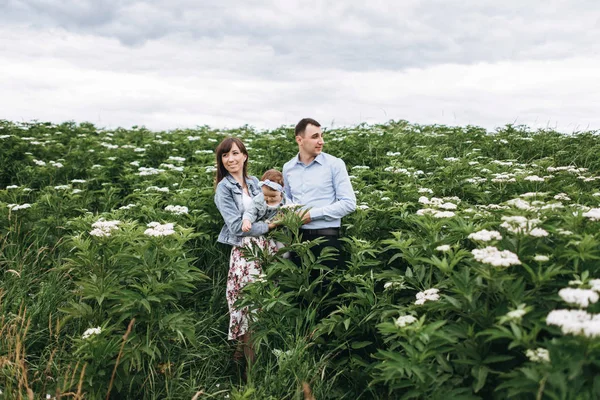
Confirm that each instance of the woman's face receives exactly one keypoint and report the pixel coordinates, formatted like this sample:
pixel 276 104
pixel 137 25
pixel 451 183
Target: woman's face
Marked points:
pixel 234 160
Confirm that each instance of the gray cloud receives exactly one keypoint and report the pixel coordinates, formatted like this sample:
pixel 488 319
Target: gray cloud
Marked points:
pixel 349 35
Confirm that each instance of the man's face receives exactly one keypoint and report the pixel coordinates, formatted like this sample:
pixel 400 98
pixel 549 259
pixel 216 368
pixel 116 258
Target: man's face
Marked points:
pixel 272 197
pixel 311 142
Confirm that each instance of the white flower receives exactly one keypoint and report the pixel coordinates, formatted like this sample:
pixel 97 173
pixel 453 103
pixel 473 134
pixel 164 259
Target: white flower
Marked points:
pixel 62 187
pixel 91 332
pixel 443 248
pixel 362 207
pixel 564 232
pixel 16 207
pixel 444 214
pixel 135 163
pixel 427 295
pixel 593 214
pixel 104 228
pixel 485 236
pixel 12 187
pixel 519 203
pixel 491 255
pixel 178 210
pixel 577 322
pixel 157 229
pixel 210 169
pixel 534 178
pixel 538 232
pixel 157 189
pixel 392 285
pixel 404 320
pixel 149 171
pixel 127 207
pixel 423 200
pixel 203 152
pixel 562 196
pixel 541 258
pixel 515 315
pixel 426 190
pixel 39 163
pixel 78 181
pixel 579 297
pixel 595 284
pixel 448 206
pixel 177 159
pixel 539 355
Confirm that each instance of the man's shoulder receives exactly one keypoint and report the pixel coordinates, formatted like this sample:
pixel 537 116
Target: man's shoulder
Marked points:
pixel 291 163
pixel 333 160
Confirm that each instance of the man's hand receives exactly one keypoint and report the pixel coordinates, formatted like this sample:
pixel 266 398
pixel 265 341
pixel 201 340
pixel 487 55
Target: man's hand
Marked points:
pixel 246 225
pixel 305 215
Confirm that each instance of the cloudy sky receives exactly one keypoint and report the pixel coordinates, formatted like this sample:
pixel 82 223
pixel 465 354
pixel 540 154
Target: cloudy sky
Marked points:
pixel 181 63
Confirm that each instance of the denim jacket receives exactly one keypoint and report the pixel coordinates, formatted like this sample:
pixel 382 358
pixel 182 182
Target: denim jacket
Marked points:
pixel 228 198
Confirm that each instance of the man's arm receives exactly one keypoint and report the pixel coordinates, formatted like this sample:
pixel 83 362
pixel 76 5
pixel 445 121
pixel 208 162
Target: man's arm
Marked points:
pixel 345 199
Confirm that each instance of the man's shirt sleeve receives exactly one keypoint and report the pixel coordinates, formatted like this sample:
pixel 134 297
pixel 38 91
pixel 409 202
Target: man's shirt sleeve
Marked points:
pixel 345 199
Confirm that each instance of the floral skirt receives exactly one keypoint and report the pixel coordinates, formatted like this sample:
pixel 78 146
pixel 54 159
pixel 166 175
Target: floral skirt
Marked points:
pixel 242 272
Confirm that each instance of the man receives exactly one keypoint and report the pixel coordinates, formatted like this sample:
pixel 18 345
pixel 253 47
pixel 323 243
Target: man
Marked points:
pixel 319 182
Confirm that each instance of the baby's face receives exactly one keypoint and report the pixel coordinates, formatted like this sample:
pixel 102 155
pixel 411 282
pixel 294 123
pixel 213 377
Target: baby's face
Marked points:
pixel 272 197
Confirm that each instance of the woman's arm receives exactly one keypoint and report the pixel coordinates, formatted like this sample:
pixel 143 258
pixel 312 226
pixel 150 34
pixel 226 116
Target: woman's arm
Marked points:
pixel 232 215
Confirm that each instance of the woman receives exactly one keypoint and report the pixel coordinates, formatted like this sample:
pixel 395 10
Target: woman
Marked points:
pixel 234 193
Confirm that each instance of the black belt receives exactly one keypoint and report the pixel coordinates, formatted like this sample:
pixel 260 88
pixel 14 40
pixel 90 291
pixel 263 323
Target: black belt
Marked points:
pixel 322 232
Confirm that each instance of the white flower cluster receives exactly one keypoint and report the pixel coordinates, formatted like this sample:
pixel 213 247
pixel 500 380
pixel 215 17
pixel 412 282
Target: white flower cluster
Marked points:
pixel 91 332
pixel 16 207
pixel 427 295
pixel 515 315
pixel 443 248
pixel 172 167
pixel 12 187
pixel 519 224
pixel 104 228
pixel 519 203
pixel 485 236
pixel 577 322
pixel 451 159
pixel 203 152
pixel 177 210
pixel 127 207
pixel 476 180
pixel 593 214
pixel 157 189
pixel 149 171
pixel 176 159
pixel 437 204
pixel 39 163
pixel 491 255
pixel 425 190
pixel 78 181
pixel 363 167
pixel 393 285
pixel 539 355
pixel 562 196
pixel 534 178
pixel 404 320
pixel 157 229
pixel 62 187
pixel 579 297
pixel 210 169
pixel 503 178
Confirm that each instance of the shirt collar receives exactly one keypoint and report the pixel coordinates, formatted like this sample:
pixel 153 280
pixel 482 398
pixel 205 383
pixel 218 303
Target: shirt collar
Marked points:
pixel 320 158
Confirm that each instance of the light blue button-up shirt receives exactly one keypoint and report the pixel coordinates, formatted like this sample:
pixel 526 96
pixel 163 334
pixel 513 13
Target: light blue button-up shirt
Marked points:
pixel 323 187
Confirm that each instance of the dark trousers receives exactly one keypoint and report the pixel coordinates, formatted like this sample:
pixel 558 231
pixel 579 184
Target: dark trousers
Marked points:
pixel 326 286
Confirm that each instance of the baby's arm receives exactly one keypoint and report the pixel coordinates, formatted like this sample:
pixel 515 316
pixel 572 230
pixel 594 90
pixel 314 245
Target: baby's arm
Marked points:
pixel 250 216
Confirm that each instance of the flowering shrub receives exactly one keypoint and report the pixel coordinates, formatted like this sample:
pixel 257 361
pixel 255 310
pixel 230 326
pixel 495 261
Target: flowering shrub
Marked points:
pixel 467 266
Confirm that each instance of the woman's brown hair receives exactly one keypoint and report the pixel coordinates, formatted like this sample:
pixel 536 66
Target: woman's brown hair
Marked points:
pixel 225 147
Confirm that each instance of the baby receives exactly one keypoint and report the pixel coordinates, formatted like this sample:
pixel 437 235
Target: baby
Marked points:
pixel 266 204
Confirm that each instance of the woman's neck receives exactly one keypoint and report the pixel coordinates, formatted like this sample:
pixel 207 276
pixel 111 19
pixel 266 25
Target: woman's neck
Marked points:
pixel 239 177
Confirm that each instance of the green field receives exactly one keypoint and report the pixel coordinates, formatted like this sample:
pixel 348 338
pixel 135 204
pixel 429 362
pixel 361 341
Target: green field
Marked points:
pixel 472 267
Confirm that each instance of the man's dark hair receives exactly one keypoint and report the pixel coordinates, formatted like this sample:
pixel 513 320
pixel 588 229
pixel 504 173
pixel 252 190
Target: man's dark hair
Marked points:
pixel 304 122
